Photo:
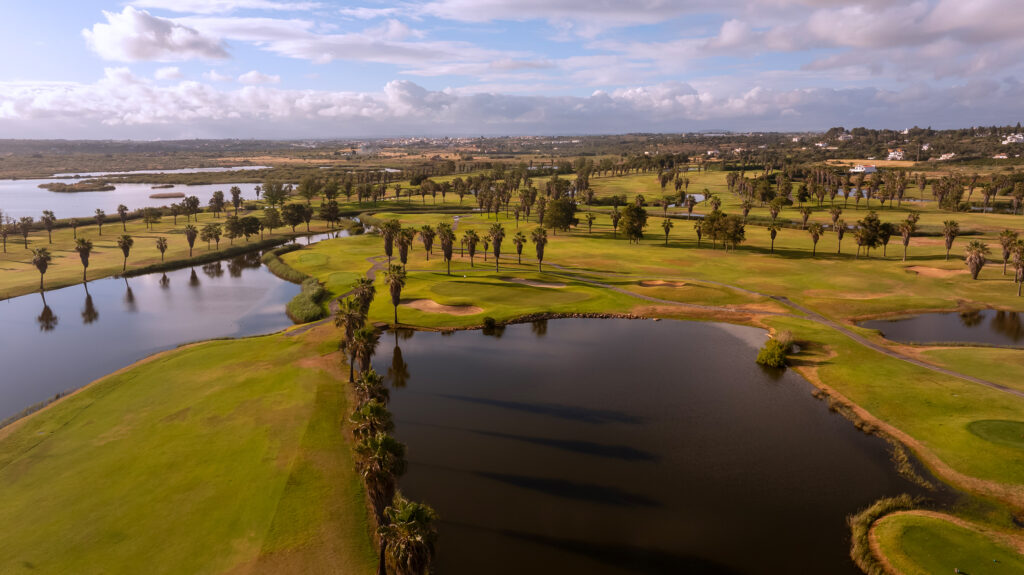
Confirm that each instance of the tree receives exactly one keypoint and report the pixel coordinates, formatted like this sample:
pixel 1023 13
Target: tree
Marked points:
pixel 122 213
pixel 974 257
pixel 380 460
pixel 389 231
pixel 191 233
pixel 950 230
pixel 25 224
pixel 835 214
pixel 666 225
pixel 868 233
pixel 350 317
pixel 471 239
pixel 364 291
pixel 292 214
pixel 274 193
pixel 590 222
pixel 885 232
pixel 309 187
pixel 816 230
pixel 409 537
pixel 496 233
pixel 559 214
pixel 48 221
pixel 211 233
pixel 365 340
pixel 191 207
pixel 100 217
pixel 1017 253
pixel 616 216
pixel 271 219
pixel 405 238
pixel 217 203
pixel 907 229
pixel 519 240
pixel 125 242
pixel 371 418
pixel 74 227
pixel 427 235
pixel 236 198
pixel 774 207
pixel 330 212
pixel 447 239
pixel 773 230
pixel 84 248
pixel 699 228
pixel 150 217
pixel 539 237
pixel 5 230
pixel 805 213
pixel 250 226
pixel 41 258
pixel 175 212
pixel 161 246
pixel 634 220
pixel 840 227
pixel 1007 238
pixel 395 277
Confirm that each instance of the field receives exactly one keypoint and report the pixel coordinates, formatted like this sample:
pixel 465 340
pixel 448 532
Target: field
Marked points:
pixel 964 433
pixel 220 457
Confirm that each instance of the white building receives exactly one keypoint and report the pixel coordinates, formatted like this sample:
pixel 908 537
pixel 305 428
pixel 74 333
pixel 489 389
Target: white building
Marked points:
pixel 1000 157
pixel 845 137
pixel 896 155
pixel 863 169
pixel 948 156
pixel 1014 139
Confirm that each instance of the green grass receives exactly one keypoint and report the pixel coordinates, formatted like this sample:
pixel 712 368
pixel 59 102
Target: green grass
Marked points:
pixel 1003 366
pixel 198 461
pixel 918 545
pixel 1003 432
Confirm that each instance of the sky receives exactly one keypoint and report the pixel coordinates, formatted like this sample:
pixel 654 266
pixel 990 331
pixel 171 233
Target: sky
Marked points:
pixel 170 69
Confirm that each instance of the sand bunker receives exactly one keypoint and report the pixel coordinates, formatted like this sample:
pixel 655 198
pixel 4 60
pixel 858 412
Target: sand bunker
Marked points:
pixel 534 283
pixel 431 306
pixel 935 272
pixel 663 283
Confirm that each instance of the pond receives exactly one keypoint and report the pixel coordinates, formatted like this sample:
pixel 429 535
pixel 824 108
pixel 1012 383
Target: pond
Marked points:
pixel 617 446
pixel 992 327
pixel 177 171
pixel 20 198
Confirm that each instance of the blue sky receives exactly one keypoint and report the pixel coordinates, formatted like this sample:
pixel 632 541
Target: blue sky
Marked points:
pixel 315 68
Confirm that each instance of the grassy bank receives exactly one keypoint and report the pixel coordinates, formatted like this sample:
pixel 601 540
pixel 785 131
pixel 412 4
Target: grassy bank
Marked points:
pixel 925 545
pixel 218 457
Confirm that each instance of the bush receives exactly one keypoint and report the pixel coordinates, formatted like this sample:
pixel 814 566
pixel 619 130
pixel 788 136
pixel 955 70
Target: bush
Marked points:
pixel 282 270
pixel 860 526
pixel 773 354
pixel 306 306
pixel 489 322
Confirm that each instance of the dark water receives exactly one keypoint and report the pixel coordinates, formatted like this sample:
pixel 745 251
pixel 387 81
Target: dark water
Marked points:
pixel 617 446
pixel 82 333
pixel 985 326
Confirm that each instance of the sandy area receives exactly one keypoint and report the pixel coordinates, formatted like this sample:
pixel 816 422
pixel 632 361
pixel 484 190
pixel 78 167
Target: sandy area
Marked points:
pixel 534 283
pixel 662 283
pixel 431 306
pixel 935 272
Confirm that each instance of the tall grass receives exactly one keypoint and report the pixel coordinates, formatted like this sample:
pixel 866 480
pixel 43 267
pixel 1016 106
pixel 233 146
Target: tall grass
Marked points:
pixel 860 528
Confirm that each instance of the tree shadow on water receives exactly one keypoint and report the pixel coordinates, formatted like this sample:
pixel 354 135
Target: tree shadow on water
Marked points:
pixel 568 412
pixel 575 490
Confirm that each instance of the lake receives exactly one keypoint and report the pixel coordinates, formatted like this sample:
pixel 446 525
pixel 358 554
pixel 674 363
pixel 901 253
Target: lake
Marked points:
pixel 617 446
pixel 989 326
pixel 20 198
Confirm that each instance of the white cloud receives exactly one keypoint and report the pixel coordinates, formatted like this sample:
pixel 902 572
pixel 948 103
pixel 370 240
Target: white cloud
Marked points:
pixel 168 73
pixel 257 77
pixel 136 35
pixel 363 13
pixel 215 76
pixel 223 6
pixel 123 104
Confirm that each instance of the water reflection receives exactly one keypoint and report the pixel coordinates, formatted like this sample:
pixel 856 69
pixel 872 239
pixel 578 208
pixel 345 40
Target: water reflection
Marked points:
pixel 129 298
pixel 214 270
pixel 89 313
pixel 995 327
pixel 193 279
pixel 47 320
pixel 539 327
pixel 165 282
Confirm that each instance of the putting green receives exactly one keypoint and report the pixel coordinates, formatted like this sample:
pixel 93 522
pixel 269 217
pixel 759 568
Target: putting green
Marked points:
pixel 924 545
pixel 1003 432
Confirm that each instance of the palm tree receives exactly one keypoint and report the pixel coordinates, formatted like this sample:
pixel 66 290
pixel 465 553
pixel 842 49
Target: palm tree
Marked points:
pixel 100 217
pixel 471 240
pixel 84 248
pixel 364 291
pixel 122 212
pixel 404 240
pixel 380 460
pixel 974 257
pixel 835 212
pixel 590 222
pixel 125 242
pixel 1007 238
pixel 41 258
pixel 370 387
pixel 1017 253
pixel 496 234
pixel 447 238
pixel 907 229
pixel 539 237
pixel 427 234
pixel 365 341
pixel 409 536
pixel 161 245
pixel 697 227
pixel 616 216
pixel 350 317
pixel 840 227
pixel 804 214
pixel 950 230
pixel 666 225
pixel 371 418
pixel 191 233
pixel 816 230
pixel 773 230
pixel 394 277
pixel 48 221
pixel 389 231
pixel 519 240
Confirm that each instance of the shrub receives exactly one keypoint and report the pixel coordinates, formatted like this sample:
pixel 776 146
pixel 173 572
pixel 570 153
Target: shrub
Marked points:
pixel 489 322
pixel 773 354
pixel 306 306
pixel 860 527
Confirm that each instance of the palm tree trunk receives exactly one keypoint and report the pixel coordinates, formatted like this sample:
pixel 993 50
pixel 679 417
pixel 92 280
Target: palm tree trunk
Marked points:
pixel 351 366
pixel 381 569
pixel 396 314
